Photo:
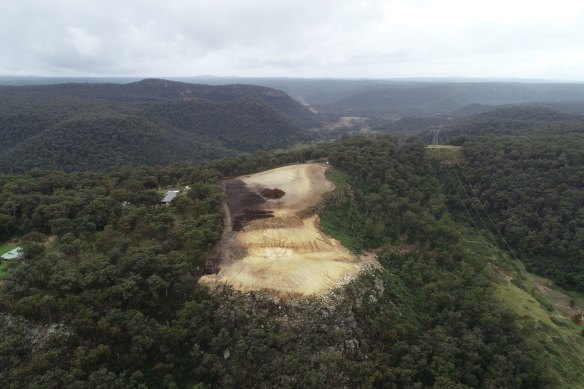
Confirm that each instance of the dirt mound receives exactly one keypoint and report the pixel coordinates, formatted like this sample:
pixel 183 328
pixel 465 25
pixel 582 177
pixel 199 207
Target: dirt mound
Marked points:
pixel 272 193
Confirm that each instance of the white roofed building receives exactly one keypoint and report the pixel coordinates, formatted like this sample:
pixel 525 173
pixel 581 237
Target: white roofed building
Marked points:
pixel 13 254
pixel 169 196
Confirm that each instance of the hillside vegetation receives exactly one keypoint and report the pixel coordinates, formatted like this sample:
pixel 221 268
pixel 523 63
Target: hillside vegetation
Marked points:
pixel 99 126
pixel 529 179
pixel 112 300
pixel 389 98
pixel 401 98
pixel 398 99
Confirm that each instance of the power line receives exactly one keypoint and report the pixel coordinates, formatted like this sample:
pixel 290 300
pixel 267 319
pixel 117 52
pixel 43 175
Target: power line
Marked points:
pixel 437 134
pixel 517 258
pixel 571 365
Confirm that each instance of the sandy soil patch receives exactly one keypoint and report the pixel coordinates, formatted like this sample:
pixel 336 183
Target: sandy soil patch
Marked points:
pixel 285 254
pixel 304 185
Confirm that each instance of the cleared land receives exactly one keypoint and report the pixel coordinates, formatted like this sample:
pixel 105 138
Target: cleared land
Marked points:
pixel 446 152
pixel 286 253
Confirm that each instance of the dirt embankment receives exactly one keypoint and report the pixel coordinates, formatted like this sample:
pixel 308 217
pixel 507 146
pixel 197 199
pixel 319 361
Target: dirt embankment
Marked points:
pixel 271 246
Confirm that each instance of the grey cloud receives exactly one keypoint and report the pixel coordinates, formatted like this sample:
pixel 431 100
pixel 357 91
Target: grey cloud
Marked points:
pixel 376 38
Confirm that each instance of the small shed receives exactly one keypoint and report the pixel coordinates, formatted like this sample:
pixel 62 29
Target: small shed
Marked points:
pixel 169 196
pixel 13 254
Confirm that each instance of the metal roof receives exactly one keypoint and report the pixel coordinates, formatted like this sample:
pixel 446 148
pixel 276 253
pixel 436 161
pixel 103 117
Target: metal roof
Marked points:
pixel 13 254
pixel 171 194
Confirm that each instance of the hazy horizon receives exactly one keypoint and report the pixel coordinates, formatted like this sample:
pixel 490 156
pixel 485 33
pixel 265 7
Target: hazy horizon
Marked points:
pixel 208 77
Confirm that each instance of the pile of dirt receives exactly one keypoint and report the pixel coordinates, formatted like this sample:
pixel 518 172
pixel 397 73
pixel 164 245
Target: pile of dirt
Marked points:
pixel 248 215
pixel 272 193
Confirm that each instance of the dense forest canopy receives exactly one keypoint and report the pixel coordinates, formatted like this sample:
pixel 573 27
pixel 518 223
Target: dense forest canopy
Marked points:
pixel 99 126
pixel 106 294
pixel 478 119
pixel 389 98
pixel 524 166
pixel 377 98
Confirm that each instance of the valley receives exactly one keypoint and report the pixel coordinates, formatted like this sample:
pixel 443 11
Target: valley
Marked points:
pixel 383 194
pixel 303 249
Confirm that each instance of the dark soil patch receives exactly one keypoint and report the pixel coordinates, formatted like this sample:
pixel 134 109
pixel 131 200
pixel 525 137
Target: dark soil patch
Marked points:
pixel 244 204
pixel 272 193
pixel 240 197
pixel 249 215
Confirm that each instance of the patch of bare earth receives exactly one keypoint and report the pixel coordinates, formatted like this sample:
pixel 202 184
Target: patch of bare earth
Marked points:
pixel 285 253
pixel 560 300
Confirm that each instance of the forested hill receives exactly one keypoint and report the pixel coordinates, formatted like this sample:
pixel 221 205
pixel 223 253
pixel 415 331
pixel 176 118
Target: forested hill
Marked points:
pixel 483 119
pixel 526 119
pixel 99 126
pixel 111 300
pixel 165 90
pixel 525 165
pixel 412 99
pixel 379 98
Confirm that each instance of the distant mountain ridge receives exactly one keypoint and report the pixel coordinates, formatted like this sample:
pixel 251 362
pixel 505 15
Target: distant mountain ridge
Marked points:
pixel 153 121
pixel 153 89
pixel 416 99
pixel 380 98
pixel 479 118
pixel 520 119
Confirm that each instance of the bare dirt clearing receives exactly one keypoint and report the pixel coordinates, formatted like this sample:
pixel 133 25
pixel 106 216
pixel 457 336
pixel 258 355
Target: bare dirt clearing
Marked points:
pixel 285 253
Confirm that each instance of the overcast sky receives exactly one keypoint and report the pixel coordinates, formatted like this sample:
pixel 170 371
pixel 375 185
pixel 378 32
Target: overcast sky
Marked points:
pixel 308 38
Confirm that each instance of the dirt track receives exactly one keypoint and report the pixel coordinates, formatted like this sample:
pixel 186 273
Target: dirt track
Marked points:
pixel 287 253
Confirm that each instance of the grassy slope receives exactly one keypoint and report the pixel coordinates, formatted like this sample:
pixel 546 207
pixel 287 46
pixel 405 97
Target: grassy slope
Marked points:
pixel 445 152
pixel 6 247
pixel 515 288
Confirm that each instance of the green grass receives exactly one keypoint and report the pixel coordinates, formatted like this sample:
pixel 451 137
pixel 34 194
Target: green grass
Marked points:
pixel 339 178
pixel 6 247
pixel 560 297
pixel 445 152
pixel 514 288
pixel 521 302
pixel 563 345
pixel 331 229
